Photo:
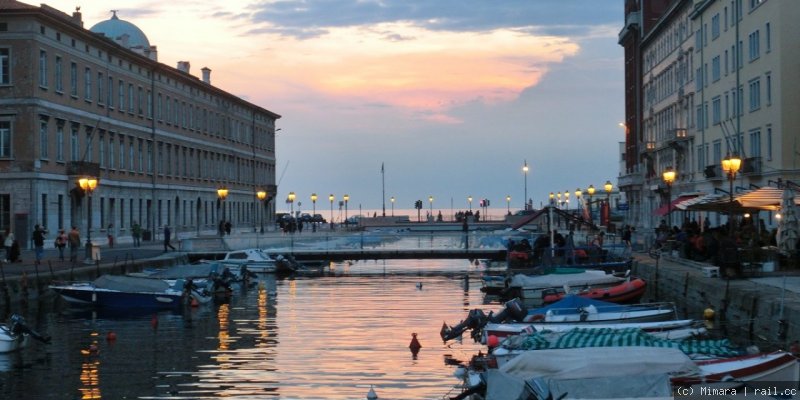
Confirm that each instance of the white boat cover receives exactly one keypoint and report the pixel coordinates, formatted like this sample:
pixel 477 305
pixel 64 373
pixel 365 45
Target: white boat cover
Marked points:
pixel 509 381
pixel 589 277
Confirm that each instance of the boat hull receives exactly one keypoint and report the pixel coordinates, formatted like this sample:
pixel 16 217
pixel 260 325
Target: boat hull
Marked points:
pixel 87 295
pixel 10 342
pixel 624 293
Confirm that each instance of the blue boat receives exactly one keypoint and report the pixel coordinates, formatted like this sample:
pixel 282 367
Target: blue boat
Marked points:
pixel 111 291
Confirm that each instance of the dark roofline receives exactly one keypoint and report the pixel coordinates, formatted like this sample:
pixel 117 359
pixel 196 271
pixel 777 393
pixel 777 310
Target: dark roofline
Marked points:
pixel 66 20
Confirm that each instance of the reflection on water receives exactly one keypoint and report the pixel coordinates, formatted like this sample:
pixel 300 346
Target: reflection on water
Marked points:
pixel 328 337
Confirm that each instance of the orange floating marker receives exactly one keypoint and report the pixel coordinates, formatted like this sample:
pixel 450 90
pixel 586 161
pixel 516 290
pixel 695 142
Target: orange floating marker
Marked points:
pixel 195 303
pixel 111 336
pixel 154 322
pixel 414 345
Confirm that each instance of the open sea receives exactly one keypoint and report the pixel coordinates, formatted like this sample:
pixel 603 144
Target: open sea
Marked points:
pixel 325 337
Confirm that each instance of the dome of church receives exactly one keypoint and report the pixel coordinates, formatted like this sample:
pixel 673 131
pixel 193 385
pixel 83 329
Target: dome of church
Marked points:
pixel 115 28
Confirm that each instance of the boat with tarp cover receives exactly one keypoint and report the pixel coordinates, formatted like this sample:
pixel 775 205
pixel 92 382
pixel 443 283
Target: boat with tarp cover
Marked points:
pixel 113 291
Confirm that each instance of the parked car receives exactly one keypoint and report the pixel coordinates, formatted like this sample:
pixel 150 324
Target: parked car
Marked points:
pixel 318 218
pixel 305 217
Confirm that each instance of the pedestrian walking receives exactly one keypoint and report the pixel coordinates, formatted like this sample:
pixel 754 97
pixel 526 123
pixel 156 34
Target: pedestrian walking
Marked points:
pixel 38 242
pixel 167 234
pixel 61 243
pixel 8 243
pixel 74 240
pixel 110 232
pixel 136 232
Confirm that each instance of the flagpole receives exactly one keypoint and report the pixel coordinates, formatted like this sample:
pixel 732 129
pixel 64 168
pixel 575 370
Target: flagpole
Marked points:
pixel 383 187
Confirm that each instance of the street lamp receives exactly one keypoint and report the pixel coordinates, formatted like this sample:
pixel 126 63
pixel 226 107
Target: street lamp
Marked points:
pixel 590 190
pixel 470 202
pixel 731 165
pixel 346 198
pixel 525 171
pixel 331 197
pixel 88 184
pixel 558 196
pixel 508 204
pixel 566 198
pixel 314 203
pixel 262 195
pixel 430 200
pixel 290 199
pixel 222 193
pixel 578 194
pixel 608 187
pixel 392 200
pixel 669 178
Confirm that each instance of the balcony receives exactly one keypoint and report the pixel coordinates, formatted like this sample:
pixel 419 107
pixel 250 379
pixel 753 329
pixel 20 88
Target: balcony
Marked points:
pixel 629 180
pixel 752 166
pixel 714 172
pixel 83 168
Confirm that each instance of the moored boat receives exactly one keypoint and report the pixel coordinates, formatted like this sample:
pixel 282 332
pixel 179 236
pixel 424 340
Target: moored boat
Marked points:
pixel 627 292
pixel 16 335
pixel 112 291
pixel 532 289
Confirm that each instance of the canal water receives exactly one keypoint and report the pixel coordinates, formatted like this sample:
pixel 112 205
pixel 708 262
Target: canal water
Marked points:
pixel 325 337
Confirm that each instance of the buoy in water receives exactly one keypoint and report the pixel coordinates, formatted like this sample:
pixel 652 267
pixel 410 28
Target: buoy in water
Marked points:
pixel 414 345
pixel 371 395
pixel 154 322
pixel 111 336
pixel 708 313
pixel 194 303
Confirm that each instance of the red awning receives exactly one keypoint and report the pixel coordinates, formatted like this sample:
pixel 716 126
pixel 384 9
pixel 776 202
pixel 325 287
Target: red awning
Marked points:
pixel 671 206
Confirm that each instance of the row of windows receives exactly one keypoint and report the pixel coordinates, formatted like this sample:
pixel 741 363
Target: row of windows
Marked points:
pixel 121 213
pixel 758 148
pixel 668 81
pixel 136 100
pixel 668 41
pixel 733 101
pixel 116 151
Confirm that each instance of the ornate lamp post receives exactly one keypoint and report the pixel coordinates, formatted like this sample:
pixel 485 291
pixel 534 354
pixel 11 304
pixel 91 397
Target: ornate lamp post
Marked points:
pixel 262 195
pixel 590 190
pixel 346 198
pixel 313 203
pixel 731 165
pixel 669 177
pixel 392 200
pixel 566 198
pixel 508 204
pixel 608 187
pixel 558 198
pixel 290 199
pixel 331 197
pixel 430 200
pixel 222 194
pixel 578 194
pixel 469 199
pixel 552 198
pixel 525 171
pixel 88 184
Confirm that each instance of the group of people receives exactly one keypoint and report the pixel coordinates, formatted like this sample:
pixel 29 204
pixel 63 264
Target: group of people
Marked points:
pixel 464 215
pixel 224 228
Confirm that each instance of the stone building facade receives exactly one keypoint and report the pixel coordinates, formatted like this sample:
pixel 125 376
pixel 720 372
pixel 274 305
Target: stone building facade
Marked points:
pixel 715 79
pixel 97 102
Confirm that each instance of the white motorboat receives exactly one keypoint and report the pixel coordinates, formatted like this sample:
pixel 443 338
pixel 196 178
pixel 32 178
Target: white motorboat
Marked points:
pixel 17 334
pixel 256 260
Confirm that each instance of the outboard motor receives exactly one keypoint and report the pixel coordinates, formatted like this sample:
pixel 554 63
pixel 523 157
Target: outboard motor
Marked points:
pixel 514 311
pixel 19 327
pixel 476 319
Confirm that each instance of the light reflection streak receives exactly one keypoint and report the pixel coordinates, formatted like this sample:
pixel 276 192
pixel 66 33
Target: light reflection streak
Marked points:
pixel 90 367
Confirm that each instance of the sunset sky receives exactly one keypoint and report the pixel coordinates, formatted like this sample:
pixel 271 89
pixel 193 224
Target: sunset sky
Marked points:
pixel 451 95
